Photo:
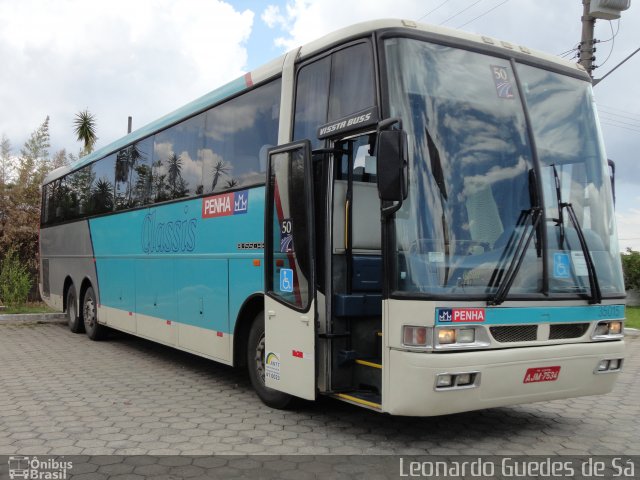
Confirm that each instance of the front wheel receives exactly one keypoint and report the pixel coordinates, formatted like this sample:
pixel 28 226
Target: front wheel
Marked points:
pixel 256 365
pixel 94 330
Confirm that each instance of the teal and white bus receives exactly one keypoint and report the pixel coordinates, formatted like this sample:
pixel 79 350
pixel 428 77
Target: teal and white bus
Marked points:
pixel 409 218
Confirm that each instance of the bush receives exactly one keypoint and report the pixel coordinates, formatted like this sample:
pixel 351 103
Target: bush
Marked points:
pixel 631 268
pixel 15 280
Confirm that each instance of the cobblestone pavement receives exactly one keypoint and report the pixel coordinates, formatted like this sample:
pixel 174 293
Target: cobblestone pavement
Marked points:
pixel 61 394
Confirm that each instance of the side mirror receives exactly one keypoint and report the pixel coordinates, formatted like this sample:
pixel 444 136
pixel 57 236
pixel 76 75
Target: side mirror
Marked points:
pixel 392 165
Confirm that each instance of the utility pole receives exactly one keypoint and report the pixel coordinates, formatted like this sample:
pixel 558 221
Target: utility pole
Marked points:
pixel 592 9
pixel 587 42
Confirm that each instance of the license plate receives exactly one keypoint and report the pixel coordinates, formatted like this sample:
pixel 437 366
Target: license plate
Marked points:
pixel 541 374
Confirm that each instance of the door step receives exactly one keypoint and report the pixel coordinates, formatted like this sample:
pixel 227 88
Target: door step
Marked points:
pixel 362 399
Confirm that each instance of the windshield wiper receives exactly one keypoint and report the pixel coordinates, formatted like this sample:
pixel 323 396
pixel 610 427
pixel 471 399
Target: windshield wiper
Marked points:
pixel 596 294
pixel 516 248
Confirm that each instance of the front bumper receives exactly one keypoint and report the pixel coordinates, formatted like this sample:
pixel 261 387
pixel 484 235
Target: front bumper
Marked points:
pixel 410 377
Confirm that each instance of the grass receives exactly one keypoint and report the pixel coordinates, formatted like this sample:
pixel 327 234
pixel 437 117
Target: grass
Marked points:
pixel 633 317
pixel 31 307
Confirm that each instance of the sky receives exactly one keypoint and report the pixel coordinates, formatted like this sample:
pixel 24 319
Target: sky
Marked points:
pixel 120 58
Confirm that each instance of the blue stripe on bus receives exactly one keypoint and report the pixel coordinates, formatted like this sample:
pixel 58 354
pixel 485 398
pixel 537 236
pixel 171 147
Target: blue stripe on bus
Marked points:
pixel 171 263
pixel 524 315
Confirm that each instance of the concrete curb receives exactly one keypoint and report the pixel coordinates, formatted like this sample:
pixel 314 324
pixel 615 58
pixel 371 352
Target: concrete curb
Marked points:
pixel 33 318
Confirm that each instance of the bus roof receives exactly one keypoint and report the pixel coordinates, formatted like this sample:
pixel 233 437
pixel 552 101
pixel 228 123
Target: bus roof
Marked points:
pixel 274 67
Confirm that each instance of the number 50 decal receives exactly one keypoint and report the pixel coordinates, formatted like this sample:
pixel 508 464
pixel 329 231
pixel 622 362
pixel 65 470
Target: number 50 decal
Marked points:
pixel 286 236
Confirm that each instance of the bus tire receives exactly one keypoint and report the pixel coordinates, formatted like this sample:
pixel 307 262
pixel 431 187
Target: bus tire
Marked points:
pixel 255 364
pixel 94 330
pixel 73 319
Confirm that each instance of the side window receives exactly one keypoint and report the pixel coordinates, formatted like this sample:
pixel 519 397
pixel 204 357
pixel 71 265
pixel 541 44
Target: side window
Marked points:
pixel 102 192
pixel 80 185
pixel 311 100
pixel 177 160
pixel 352 87
pixel 238 134
pixel 333 87
pixel 133 175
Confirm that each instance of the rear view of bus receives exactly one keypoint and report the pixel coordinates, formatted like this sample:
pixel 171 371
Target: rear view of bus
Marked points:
pixel 416 220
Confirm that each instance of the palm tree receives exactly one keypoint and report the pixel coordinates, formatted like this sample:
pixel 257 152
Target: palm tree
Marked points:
pixel 231 183
pixel 85 129
pixel 219 169
pixel 174 172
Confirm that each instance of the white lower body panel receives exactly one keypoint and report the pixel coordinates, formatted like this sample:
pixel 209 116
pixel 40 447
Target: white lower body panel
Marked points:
pixel 410 377
pixel 200 341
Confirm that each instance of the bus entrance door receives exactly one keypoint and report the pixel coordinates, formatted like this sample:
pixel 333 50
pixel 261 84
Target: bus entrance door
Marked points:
pixel 290 307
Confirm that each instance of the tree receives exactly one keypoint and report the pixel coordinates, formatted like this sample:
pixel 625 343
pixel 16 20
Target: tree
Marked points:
pixel 6 170
pixel 219 169
pixel 631 268
pixel 85 129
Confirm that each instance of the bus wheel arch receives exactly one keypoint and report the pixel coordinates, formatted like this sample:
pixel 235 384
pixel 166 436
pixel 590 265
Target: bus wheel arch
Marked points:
pixel 255 365
pixel 251 307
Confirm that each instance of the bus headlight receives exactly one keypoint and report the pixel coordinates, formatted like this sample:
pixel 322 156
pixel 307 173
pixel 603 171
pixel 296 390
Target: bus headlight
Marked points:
pixel 608 330
pixel 466 335
pixel 446 336
pixel 461 337
pixel 615 328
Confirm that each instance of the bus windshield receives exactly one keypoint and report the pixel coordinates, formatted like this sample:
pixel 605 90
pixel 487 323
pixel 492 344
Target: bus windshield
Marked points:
pixel 474 192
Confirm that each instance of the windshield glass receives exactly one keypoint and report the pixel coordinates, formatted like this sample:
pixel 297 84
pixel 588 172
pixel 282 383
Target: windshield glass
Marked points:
pixel 472 185
pixel 567 137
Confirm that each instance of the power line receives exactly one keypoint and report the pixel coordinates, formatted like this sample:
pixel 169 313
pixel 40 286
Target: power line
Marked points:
pixel 620 126
pixel 483 14
pixel 431 11
pixel 613 116
pixel 636 125
pixel 596 81
pixel 609 107
pixel 613 43
pixel 460 12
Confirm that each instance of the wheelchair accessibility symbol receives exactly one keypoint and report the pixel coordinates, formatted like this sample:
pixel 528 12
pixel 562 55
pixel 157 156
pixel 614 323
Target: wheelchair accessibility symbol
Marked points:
pixel 561 265
pixel 286 280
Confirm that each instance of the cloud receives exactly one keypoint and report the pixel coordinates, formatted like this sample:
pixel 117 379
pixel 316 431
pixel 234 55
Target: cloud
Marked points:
pixel 117 58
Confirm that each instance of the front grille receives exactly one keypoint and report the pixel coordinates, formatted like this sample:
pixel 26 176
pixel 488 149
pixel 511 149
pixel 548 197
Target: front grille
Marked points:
pixel 515 333
pixel 568 330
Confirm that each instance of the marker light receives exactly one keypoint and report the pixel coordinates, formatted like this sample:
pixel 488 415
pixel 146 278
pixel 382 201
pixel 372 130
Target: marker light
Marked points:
pixel 466 335
pixel 615 364
pixel 446 335
pixel 414 336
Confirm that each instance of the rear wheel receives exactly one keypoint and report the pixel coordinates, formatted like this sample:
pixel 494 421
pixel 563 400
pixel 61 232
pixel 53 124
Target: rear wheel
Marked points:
pixel 73 319
pixel 94 330
pixel 256 364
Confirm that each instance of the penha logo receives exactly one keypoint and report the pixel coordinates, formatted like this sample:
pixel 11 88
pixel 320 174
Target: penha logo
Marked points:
pixel 166 237
pixel 446 315
pixel 234 203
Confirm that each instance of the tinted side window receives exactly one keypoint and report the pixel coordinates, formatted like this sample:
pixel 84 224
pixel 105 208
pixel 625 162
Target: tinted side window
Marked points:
pixel 237 136
pixel 311 100
pixel 333 87
pixel 133 175
pixel 352 88
pixel 177 160
pixel 101 196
